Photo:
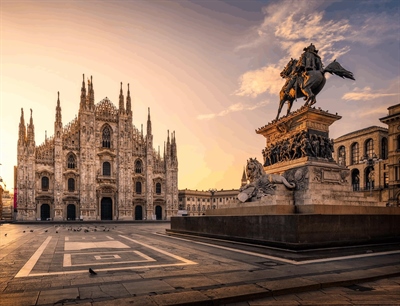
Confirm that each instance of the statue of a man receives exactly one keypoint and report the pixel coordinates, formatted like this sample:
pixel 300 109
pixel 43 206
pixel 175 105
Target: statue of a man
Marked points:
pixel 310 60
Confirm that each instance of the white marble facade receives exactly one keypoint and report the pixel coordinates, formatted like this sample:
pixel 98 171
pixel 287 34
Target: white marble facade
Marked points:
pixel 97 167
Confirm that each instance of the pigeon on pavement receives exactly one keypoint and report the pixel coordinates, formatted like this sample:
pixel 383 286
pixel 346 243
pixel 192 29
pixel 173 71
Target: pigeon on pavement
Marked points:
pixel 92 272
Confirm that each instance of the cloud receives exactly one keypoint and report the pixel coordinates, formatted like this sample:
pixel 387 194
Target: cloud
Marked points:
pixel 289 26
pixel 375 112
pixel 365 94
pixel 256 82
pixel 233 108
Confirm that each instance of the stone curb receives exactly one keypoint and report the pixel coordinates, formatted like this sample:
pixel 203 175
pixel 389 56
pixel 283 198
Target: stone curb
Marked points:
pixel 245 292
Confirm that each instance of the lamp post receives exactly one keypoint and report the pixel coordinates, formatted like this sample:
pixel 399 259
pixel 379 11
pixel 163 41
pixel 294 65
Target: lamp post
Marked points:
pixel 213 191
pixel 370 162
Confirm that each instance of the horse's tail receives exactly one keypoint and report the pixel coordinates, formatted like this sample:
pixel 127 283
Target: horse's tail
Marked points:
pixel 336 68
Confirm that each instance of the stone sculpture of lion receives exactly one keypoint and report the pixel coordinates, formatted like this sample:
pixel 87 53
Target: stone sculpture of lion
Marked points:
pixel 260 183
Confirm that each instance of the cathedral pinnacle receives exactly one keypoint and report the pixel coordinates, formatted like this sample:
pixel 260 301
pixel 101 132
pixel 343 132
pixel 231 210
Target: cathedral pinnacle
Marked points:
pixel 128 103
pixel 58 111
pixel 91 93
pixel 121 101
pixel 31 130
pixel 83 94
pixel 22 129
pixel 148 123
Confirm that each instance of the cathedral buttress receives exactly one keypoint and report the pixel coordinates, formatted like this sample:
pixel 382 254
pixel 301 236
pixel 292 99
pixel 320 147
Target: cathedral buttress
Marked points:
pixel 58 163
pixel 149 173
pixel 169 178
pixel 30 168
pixel 122 172
pixel 87 157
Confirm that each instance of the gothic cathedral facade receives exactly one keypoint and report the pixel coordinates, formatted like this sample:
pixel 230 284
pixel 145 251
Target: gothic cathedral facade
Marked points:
pixel 98 167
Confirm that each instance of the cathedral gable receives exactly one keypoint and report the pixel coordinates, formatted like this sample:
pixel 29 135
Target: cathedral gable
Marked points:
pixel 106 111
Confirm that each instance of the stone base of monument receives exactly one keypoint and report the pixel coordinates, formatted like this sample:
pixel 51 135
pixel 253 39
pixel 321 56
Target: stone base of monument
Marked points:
pixel 296 231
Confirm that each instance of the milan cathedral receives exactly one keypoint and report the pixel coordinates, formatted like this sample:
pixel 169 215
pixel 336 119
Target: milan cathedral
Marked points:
pixel 97 167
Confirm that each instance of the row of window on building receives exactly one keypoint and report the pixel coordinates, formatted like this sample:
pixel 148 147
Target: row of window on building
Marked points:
pixel 368 151
pixel 45 185
pixel 71 164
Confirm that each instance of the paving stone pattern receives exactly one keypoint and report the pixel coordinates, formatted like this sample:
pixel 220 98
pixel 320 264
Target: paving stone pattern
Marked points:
pixel 137 264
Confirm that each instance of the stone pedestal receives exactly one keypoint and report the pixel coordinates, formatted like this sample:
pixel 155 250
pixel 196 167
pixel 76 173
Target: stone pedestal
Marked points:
pixel 298 138
pixel 299 148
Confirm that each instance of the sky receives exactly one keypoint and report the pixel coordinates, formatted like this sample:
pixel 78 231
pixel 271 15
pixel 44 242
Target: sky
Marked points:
pixel 208 70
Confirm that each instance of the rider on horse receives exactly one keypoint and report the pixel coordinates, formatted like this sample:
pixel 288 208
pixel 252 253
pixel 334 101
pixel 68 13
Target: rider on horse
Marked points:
pixel 309 60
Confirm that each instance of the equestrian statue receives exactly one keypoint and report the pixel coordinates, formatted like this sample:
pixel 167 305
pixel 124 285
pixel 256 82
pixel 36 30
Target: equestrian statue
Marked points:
pixel 306 78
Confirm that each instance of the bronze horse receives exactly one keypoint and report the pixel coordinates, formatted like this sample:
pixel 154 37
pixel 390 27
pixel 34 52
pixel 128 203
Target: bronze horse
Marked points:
pixel 309 83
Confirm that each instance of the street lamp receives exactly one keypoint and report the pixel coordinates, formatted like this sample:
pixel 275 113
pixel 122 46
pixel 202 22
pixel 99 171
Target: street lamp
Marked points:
pixel 213 191
pixel 370 162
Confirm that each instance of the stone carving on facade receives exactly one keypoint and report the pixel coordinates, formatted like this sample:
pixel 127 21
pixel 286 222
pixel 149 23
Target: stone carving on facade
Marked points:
pixel 302 144
pixel 82 139
pixel 306 78
pixel 260 183
pixel 299 176
pixel 330 176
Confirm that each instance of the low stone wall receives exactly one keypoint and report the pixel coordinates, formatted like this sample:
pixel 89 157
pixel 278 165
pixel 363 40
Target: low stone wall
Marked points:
pixel 294 231
pixel 249 209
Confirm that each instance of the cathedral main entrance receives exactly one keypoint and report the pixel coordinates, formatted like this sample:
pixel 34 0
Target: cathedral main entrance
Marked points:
pixel 138 212
pixel 158 212
pixel 71 212
pixel 44 212
pixel 106 209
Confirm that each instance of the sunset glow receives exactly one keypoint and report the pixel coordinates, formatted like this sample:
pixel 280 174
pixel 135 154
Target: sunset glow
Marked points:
pixel 208 70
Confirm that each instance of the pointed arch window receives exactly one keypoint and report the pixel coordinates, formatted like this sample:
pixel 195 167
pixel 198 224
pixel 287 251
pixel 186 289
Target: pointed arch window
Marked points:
pixel 106 169
pixel 45 183
pixel 138 166
pixel 106 137
pixel 138 187
pixel 71 185
pixel 71 162
pixel 158 188
pixel 355 154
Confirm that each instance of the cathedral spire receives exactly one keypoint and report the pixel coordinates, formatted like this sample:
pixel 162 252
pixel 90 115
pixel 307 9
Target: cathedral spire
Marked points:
pixel 91 93
pixel 22 129
pixel 58 112
pixel 148 123
pixel 83 94
pixel 173 148
pixel 244 178
pixel 31 130
pixel 121 101
pixel 168 146
pixel 128 103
